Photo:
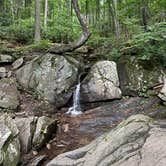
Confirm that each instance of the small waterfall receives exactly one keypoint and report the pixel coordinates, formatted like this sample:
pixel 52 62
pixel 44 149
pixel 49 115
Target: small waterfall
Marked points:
pixel 76 109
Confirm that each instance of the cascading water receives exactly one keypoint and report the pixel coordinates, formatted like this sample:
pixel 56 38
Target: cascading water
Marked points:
pixel 76 109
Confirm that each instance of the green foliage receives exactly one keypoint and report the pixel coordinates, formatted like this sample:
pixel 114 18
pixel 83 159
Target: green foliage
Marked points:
pixel 5 19
pixel 43 45
pixel 23 31
pixel 146 45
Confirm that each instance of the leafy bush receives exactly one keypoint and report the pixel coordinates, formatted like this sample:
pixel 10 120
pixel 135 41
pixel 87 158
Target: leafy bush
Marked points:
pixel 23 31
pixel 5 19
pixel 148 45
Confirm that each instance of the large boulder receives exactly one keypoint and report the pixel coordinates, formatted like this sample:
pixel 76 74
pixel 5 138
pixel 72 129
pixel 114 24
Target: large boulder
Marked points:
pixel 50 76
pixel 137 76
pixel 102 83
pixel 26 127
pixel 9 142
pixel 135 141
pixel 9 96
pixel 45 128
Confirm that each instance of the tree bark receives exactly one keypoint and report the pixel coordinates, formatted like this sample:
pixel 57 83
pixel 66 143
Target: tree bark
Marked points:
pixel 37 21
pixel 116 21
pixel 83 38
pixel 1 6
pixel 45 14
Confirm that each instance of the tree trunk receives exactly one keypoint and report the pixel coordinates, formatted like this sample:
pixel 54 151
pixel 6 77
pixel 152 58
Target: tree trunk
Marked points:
pixel 145 14
pixel 37 21
pixel 83 38
pixel 45 14
pixel 1 6
pixel 116 21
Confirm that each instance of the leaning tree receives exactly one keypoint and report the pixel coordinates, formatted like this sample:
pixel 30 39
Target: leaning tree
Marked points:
pixel 82 39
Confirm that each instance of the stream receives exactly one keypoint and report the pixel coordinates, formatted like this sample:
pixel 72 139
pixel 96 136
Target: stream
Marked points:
pixel 77 131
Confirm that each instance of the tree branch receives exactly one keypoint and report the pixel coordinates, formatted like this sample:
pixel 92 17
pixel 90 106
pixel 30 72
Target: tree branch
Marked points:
pixel 83 38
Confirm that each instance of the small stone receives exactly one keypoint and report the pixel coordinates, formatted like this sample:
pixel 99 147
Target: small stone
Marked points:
pixel 34 152
pixel 60 145
pixel 66 128
pixel 18 63
pixel 48 146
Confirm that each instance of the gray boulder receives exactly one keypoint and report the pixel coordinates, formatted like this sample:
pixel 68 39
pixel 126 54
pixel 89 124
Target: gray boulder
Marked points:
pixel 3 72
pixel 137 76
pixel 9 142
pixel 9 96
pixel 102 83
pixel 26 127
pixel 45 127
pixel 134 142
pixel 5 58
pixel 50 76
pixel 18 63
pixel 162 94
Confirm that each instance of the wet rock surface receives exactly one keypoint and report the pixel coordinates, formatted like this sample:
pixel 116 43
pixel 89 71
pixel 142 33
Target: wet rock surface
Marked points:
pixel 133 142
pixel 75 132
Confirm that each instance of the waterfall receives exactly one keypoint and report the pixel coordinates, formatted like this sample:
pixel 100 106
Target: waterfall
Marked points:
pixel 76 109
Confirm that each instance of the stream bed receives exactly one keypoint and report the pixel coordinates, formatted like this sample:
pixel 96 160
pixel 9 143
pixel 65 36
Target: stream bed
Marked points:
pixel 75 132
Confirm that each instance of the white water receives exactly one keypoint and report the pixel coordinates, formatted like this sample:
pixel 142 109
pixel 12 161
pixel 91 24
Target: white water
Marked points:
pixel 75 109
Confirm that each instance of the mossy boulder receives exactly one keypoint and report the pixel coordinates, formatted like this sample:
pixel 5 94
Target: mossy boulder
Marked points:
pixel 137 76
pixel 9 142
pixel 45 127
pixel 50 77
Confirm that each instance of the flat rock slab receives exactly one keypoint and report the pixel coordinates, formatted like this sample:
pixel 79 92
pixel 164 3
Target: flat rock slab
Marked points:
pixel 134 142
pixel 79 131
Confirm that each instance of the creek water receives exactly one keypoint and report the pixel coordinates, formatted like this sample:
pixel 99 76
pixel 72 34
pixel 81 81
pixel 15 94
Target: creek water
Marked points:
pixel 75 110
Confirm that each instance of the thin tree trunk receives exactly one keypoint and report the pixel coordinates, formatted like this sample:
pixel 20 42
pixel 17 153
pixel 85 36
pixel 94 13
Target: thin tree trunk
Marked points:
pixel 116 22
pixel 45 14
pixel 145 14
pixel 37 21
pixel 1 6
pixel 83 38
